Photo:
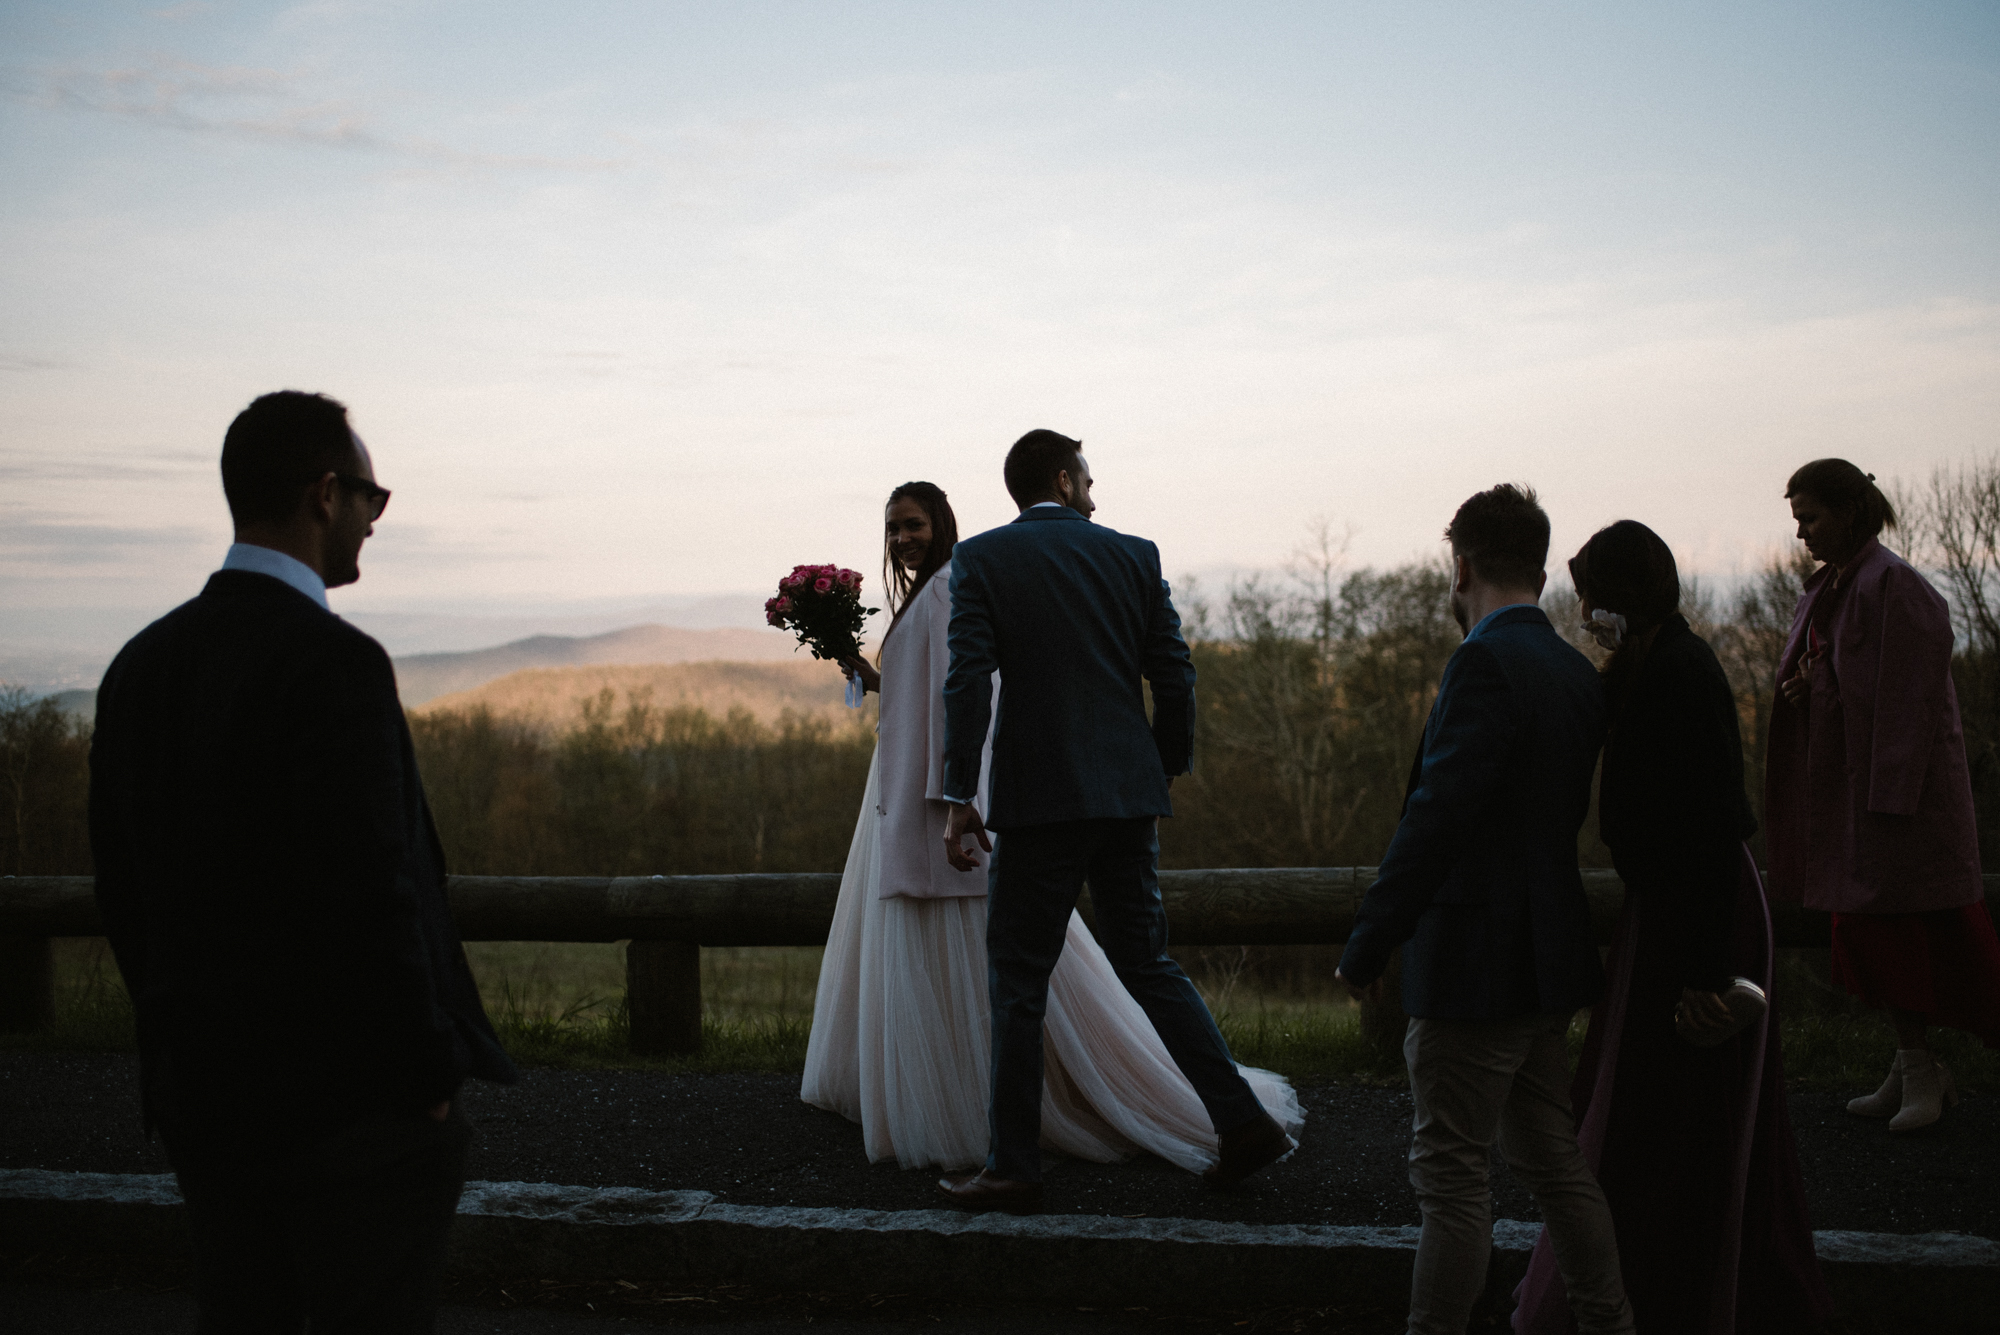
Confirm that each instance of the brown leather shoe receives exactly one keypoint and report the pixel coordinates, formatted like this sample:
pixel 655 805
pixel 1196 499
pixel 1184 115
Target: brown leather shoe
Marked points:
pixel 1248 1148
pixel 979 1192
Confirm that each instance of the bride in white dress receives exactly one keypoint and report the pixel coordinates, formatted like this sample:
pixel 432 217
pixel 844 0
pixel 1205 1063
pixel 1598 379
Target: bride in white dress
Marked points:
pixel 901 1030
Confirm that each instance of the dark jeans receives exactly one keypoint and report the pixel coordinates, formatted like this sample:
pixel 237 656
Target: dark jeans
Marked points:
pixel 336 1233
pixel 1032 886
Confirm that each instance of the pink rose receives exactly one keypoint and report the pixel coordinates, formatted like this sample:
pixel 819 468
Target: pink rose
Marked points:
pixel 822 585
pixel 849 579
pixel 784 604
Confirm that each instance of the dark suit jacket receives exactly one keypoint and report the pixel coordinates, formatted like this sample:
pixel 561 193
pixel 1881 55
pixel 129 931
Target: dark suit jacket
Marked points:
pixel 1480 879
pixel 1671 804
pixel 268 873
pixel 1073 615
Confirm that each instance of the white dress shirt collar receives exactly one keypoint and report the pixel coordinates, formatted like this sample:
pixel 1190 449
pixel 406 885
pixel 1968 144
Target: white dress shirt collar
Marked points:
pixel 1039 504
pixel 288 569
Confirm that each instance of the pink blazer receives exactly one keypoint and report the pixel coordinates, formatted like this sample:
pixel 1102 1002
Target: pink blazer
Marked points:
pixel 1867 799
pixel 909 751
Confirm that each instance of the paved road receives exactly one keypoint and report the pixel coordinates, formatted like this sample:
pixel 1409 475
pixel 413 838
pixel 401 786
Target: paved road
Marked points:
pixel 50 1311
pixel 46 1310
pixel 749 1139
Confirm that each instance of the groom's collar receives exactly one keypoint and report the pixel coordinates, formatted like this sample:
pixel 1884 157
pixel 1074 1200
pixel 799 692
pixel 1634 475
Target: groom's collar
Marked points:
pixel 1509 615
pixel 1046 510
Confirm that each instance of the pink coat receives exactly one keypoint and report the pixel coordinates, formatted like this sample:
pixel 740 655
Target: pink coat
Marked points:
pixel 1867 799
pixel 909 753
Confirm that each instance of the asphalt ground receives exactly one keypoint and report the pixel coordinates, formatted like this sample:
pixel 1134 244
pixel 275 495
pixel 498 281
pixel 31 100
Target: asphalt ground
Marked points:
pixel 749 1139
pixel 117 1296
pixel 49 1295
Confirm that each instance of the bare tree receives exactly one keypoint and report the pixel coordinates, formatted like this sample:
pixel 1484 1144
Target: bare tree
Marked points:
pixel 17 750
pixel 1750 642
pixel 44 772
pixel 1314 687
pixel 1950 527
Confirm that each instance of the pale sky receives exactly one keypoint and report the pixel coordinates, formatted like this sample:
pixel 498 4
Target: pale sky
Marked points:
pixel 638 301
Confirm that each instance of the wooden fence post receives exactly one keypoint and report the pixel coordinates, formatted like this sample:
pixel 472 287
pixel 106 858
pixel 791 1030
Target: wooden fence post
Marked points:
pixel 663 997
pixel 27 983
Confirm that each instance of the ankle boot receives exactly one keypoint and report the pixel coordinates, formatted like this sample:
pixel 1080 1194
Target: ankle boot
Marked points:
pixel 1885 1101
pixel 1927 1090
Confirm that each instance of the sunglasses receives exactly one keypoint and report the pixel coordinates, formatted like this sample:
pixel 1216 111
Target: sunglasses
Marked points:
pixel 377 497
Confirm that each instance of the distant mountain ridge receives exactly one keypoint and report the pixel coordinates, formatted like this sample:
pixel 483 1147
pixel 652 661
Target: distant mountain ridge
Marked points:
pixel 553 698
pixel 424 677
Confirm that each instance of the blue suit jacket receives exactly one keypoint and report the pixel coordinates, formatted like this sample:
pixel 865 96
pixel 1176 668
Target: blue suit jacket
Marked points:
pixel 1480 880
pixel 1073 615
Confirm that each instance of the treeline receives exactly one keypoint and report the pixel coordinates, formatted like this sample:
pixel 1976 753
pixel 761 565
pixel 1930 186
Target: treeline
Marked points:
pixel 637 790
pixel 44 787
pixel 1314 691
pixel 1312 695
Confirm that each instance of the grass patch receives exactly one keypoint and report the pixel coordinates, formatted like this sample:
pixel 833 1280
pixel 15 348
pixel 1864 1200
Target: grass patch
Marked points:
pixel 562 1004
pixel 1853 1052
pixel 598 1041
pixel 1298 1039
pixel 93 1010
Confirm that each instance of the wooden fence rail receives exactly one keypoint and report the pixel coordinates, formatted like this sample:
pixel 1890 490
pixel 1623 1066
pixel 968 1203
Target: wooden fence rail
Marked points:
pixel 667 919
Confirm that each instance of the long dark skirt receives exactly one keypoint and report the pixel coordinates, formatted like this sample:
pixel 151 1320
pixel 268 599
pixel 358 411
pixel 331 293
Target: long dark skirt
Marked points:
pixel 1943 965
pixel 1693 1147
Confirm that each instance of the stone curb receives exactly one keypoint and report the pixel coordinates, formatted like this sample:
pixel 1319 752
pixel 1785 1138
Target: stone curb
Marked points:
pixel 555 1232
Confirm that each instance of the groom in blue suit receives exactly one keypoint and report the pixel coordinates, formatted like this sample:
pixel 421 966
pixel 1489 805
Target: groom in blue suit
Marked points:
pixel 1073 615
pixel 1480 889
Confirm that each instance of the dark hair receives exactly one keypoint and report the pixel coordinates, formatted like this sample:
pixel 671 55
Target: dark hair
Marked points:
pixel 902 583
pixel 1033 463
pixel 1628 569
pixel 1503 533
pixel 277 447
pixel 1839 485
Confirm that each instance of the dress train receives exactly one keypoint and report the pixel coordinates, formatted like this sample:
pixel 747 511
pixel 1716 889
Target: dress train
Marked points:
pixel 902 1037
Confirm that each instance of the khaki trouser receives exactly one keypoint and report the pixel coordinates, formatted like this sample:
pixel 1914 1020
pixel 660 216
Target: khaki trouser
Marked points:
pixel 1474 1082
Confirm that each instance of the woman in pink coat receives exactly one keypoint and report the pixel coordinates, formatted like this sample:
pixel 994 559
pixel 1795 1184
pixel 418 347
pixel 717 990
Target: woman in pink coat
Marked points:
pixel 1868 802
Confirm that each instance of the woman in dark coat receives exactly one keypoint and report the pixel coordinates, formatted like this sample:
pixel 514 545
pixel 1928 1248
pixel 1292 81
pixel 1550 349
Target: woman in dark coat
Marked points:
pixel 1691 1143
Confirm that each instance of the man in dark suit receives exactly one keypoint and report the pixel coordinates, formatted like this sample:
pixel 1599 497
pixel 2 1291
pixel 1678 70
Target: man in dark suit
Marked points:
pixel 1480 888
pixel 1073 616
pixel 274 891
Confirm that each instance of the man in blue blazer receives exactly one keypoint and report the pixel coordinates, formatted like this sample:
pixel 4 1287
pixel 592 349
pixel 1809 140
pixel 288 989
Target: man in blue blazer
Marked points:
pixel 1480 888
pixel 1073 615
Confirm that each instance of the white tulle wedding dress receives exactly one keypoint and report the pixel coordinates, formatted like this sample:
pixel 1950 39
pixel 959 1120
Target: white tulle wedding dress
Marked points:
pixel 901 1032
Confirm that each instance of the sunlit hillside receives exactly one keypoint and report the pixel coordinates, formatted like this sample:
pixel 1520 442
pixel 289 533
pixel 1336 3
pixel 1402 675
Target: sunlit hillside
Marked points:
pixel 422 678
pixel 553 697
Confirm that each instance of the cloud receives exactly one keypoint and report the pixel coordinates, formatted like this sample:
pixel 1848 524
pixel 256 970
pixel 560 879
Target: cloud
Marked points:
pixel 97 468
pixel 16 361
pixel 42 539
pixel 182 13
pixel 262 104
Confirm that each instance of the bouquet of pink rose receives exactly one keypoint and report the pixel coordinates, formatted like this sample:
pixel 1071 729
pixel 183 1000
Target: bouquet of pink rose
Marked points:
pixel 822 606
